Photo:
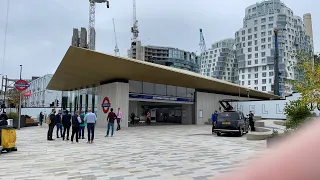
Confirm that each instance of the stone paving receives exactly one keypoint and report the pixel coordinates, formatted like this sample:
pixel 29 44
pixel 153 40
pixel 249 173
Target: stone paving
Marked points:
pixel 155 152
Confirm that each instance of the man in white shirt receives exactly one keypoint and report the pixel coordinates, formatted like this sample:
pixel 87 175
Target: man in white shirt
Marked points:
pixel 91 119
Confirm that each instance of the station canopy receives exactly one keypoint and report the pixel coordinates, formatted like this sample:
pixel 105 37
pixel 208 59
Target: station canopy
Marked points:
pixel 81 68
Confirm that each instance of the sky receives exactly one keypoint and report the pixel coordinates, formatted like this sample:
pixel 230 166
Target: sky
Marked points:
pixel 39 32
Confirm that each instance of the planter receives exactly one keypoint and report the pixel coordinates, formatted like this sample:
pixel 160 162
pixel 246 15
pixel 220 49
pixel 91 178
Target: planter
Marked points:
pixel 271 141
pixel 22 122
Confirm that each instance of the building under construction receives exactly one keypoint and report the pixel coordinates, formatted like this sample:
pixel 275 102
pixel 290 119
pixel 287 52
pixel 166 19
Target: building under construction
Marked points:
pixel 79 37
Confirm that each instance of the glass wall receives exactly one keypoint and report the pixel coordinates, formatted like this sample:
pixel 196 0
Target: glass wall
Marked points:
pixel 160 89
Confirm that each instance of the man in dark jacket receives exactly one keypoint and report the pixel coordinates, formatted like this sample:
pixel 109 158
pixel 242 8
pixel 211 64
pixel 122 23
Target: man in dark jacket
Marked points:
pixel 52 117
pixel 66 122
pixel 76 120
pixel 251 121
pixel 58 123
pixel 214 120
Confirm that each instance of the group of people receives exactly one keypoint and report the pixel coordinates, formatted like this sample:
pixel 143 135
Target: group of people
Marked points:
pixel 78 122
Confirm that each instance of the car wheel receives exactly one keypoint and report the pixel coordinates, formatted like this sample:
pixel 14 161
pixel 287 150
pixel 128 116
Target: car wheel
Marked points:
pixel 240 133
pixel 218 133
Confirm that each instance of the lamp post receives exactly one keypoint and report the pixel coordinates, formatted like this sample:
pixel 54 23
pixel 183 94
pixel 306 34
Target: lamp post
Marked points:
pixel 20 97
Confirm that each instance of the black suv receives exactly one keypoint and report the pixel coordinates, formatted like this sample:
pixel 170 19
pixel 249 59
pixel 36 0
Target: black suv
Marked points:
pixel 231 121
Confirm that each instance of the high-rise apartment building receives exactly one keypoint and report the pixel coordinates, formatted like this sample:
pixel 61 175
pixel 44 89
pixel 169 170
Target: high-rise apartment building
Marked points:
pixel 255 45
pixel 166 56
pixel 79 38
pixel 219 61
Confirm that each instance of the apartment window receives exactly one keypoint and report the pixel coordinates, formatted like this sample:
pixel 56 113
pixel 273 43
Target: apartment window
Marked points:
pixel 243 32
pixel 249 76
pixel 256 55
pixel 249 62
pixel 250 37
pixel 271 18
pixel 243 44
pixel 263 34
pixel 242 83
pixel 255 35
pixel 250 43
pixel 242 70
pixel 243 38
pixel 242 76
pixel 263 54
pixel 269 46
pixel 269 33
pixel 256 82
pixel 269 39
pixel 263 60
pixel 263 40
pixel 264 74
pixel 249 56
pixel 256 61
pixel 270 74
pixel 264 88
pixel 256 88
pixel 211 52
pixel 256 69
pixel 270 81
pixel 249 69
pixel 256 48
pixel 250 49
pixel 249 82
pixel 264 68
pixel 249 30
pixel 255 22
pixel 263 20
pixel 256 75
pixel 271 67
pixel 255 42
pixel 263 27
pixel 255 29
pixel 270 25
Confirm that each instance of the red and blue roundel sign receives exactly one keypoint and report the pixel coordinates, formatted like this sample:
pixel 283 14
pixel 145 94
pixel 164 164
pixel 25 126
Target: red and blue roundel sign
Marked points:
pixel 106 105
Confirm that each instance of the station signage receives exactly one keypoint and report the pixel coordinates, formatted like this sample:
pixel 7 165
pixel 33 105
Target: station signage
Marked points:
pixel 21 85
pixel 106 105
pixel 162 98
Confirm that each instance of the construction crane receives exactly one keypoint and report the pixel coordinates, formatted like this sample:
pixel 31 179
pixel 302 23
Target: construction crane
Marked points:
pixel 116 49
pixel 134 28
pixel 92 20
pixel 203 47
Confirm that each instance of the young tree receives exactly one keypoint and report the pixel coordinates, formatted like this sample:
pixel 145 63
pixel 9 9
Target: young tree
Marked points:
pixel 308 82
pixel 13 98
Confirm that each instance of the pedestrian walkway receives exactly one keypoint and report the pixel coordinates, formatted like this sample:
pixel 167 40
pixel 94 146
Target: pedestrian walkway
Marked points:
pixel 152 152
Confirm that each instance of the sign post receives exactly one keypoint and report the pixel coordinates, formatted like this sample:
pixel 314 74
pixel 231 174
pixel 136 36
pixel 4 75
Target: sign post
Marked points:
pixel 20 85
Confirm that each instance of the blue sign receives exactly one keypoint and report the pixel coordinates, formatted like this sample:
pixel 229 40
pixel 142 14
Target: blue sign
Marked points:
pixel 162 98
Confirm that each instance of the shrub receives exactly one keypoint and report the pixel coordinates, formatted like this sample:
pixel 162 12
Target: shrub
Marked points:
pixel 13 115
pixel 297 113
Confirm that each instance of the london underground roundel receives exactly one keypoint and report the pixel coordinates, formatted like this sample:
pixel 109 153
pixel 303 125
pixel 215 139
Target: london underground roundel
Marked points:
pixel 106 105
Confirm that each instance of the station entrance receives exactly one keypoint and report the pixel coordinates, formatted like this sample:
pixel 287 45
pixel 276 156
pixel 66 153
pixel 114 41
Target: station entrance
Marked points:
pixel 161 113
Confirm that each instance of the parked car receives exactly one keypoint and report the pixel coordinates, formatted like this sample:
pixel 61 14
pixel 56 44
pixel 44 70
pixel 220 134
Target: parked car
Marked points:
pixel 230 121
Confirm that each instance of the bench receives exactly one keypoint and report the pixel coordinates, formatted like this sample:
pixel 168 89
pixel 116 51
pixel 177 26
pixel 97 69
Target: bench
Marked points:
pixel 31 122
pixel 260 134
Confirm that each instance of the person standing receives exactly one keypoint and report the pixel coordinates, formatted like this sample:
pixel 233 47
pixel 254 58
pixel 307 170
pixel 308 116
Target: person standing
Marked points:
pixel 214 120
pixel 41 116
pixel 90 119
pixel 148 118
pixel 51 120
pixel 76 120
pixel 111 117
pixel 132 116
pixel 58 123
pixel 119 119
pixel 251 121
pixel 82 125
pixel 66 122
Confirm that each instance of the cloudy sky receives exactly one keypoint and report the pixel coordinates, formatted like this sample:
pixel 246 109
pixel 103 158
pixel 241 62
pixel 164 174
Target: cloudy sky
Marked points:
pixel 39 32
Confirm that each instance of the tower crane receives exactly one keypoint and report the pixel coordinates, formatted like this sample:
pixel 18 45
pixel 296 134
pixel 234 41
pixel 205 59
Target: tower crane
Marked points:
pixel 134 28
pixel 92 19
pixel 203 47
pixel 116 49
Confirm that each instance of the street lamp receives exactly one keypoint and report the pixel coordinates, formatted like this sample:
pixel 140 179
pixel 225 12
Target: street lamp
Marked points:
pixel 20 97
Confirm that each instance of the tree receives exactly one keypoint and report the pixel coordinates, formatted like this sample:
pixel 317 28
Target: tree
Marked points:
pixel 13 98
pixel 308 81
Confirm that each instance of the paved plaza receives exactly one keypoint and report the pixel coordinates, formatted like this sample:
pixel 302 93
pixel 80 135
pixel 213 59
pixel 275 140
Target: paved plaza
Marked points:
pixel 155 152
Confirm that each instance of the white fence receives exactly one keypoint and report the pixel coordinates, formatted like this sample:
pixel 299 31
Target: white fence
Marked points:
pixel 269 109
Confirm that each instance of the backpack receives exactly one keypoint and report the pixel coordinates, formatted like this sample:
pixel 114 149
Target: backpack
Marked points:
pixel 82 118
pixel 48 120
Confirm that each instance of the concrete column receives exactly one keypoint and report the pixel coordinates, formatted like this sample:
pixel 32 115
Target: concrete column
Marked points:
pixel 118 95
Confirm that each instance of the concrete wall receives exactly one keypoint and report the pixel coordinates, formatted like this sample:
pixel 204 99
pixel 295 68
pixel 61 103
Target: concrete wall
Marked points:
pixel 187 113
pixel 207 103
pixel 117 93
